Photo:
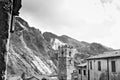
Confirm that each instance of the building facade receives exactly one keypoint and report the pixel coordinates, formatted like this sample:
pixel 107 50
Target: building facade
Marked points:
pixel 82 71
pixel 104 66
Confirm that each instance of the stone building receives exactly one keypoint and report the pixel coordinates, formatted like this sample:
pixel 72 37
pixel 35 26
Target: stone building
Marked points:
pixel 65 62
pixel 104 66
pixel 82 71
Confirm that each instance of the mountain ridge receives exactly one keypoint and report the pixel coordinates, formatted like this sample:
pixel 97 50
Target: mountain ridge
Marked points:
pixel 31 51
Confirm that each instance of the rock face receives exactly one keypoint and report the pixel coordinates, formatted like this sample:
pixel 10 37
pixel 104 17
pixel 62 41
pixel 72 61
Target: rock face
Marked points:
pixel 4 35
pixel 32 53
pixel 28 52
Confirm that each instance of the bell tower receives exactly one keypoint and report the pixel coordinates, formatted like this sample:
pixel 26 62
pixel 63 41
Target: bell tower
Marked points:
pixel 70 61
pixel 62 69
pixel 65 62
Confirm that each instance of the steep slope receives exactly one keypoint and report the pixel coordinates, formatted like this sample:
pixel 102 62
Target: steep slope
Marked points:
pixel 28 52
pixel 84 49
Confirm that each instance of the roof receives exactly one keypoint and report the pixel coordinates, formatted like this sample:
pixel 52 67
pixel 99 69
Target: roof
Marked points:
pixel 110 54
pixel 82 65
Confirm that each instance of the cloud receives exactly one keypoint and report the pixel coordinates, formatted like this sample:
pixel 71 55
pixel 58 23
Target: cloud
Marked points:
pixel 86 20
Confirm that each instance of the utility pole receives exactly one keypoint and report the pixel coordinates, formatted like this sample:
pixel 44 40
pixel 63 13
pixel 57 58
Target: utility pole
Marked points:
pixel 5 20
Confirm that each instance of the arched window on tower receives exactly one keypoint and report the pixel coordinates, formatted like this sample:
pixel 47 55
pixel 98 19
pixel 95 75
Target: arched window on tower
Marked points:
pixel 70 61
pixel 62 53
pixel 70 53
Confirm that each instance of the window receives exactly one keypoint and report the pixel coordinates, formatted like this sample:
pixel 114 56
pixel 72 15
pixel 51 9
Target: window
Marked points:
pixel 90 65
pixel 99 65
pixel 70 53
pixel 79 71
pixel 69 61
pixel 113 67
pixel 62 53
pixel 84 72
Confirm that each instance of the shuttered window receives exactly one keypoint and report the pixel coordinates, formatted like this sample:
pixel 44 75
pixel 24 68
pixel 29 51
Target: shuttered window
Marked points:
pixel 113 66
pixel 84 72
pixel 99 65
pixel 90 65
pixel 79 71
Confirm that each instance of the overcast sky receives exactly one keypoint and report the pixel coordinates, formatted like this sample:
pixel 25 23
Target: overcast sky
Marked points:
pixel 84 20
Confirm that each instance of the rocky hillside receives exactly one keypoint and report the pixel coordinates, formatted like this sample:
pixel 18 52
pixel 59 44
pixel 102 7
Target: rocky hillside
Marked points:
pixel 32 53
pixel 85 49
pixel 28 53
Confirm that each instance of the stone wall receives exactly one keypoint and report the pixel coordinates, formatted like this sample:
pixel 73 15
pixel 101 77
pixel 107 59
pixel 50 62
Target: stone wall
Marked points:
pixel 4 33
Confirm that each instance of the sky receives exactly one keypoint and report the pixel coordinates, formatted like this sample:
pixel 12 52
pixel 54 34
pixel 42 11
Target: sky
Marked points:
pixel 84 20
